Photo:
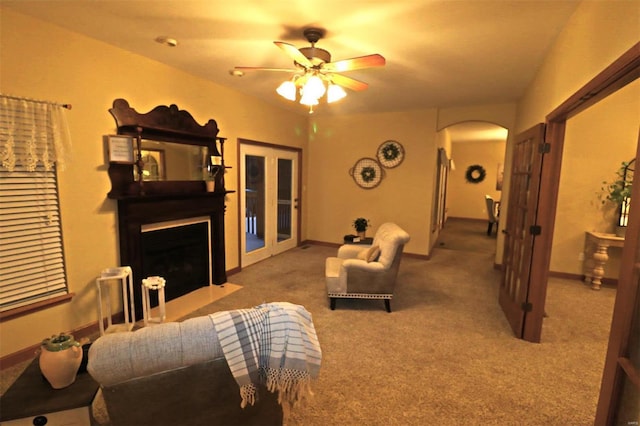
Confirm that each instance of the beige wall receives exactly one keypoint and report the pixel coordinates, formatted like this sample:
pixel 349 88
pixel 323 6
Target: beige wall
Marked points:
pixel 46 62
pixel 405 194
pixel 596 35
pixel 467 200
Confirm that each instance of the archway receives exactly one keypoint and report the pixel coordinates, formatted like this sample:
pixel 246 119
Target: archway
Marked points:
pixel 475 156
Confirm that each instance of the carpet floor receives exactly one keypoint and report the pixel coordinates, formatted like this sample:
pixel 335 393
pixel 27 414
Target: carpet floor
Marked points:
pixel 446 354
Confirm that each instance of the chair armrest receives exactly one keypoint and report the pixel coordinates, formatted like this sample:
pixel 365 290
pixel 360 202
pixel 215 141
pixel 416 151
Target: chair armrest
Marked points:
pixel 351 251
pixel 362 265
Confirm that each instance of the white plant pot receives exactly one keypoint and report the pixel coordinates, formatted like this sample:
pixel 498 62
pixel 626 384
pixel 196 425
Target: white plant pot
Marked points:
pixel 60 358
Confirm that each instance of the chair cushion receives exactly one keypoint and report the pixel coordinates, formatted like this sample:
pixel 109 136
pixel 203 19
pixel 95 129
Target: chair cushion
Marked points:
pixel 370 255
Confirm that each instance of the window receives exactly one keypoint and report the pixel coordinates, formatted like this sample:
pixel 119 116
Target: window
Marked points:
pixel 32 142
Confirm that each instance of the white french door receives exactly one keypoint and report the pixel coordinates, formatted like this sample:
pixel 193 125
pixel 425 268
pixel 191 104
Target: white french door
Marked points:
pixel 268 202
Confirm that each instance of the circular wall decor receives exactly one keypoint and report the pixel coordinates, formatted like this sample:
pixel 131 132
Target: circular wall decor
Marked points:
pixel 475 174
pixel 367 173
pixel 390 154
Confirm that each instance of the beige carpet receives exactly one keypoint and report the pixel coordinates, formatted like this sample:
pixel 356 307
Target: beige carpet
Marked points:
pixel 445 355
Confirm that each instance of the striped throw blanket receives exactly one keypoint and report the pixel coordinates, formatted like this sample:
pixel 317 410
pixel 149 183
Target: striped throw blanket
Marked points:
pixel 273 344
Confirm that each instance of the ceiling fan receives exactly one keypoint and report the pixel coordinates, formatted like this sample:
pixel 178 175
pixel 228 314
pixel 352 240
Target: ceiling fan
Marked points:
pixel 314 73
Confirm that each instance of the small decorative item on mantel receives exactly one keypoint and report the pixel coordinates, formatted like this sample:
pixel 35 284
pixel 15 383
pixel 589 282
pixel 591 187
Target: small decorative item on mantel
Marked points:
pixel 210 175
pixel 60 358
pixel 619 192
pixel 361 224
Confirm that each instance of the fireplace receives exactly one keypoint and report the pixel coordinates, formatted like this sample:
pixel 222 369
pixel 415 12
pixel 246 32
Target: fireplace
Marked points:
pixel 143 205
pixel 178 251
pixel 154 230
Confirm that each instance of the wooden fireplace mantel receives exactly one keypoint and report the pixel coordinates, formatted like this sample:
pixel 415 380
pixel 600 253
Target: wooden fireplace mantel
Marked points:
pixel 141 203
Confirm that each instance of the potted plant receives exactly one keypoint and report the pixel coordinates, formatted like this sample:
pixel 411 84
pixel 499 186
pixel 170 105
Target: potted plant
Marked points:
pixel 60 358
pixel 619 192
pixel 361 224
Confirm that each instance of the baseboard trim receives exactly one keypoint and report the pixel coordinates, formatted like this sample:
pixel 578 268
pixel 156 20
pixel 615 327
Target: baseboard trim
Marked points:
pixel 468 219
pixel 320 243
pixel 30 352
pixel 233 270
pixel 580 277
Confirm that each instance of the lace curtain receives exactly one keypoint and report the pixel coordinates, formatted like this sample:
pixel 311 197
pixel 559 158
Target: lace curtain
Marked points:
pixel 32 134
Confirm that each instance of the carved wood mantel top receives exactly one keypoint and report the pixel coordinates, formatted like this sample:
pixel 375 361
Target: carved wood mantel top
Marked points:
pixel 166 123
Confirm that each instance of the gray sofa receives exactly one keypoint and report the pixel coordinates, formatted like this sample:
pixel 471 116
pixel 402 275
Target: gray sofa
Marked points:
pixel 367 271
pixel 173 374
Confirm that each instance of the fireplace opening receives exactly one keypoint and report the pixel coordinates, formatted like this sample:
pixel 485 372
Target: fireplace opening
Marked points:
pixel 180 253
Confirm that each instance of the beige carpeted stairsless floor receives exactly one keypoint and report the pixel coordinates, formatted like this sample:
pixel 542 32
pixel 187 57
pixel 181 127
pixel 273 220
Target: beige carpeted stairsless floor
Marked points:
pixel 446 354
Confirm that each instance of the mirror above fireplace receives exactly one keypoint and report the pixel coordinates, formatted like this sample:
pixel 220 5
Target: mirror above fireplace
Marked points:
pixel 167 161
pixel 172 153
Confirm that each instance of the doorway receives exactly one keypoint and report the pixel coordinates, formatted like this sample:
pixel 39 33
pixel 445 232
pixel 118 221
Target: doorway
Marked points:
pixel 269 185
pixel 460 209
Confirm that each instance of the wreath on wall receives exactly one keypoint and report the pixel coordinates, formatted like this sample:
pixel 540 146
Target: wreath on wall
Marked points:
pixel 475 174
pixel 367 173
pixel 390 154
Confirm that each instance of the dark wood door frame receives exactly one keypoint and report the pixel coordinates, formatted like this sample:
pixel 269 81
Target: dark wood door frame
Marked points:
pixel 617 75
pixel 620 73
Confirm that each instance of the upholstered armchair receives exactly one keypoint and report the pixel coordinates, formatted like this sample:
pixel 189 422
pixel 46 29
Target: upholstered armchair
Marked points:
pixel 367 271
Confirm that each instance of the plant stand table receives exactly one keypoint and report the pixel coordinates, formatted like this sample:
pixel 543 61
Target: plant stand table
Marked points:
pixel 32 401
pixel 123 276
pixel 596 246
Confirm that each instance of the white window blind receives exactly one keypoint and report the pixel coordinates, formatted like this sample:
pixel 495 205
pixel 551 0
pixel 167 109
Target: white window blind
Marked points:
pixel 31 250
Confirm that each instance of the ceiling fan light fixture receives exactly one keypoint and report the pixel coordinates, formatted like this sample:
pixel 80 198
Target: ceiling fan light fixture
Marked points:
pixel 335 93
pixel 314 88
pixel 308 100
pixel 287 90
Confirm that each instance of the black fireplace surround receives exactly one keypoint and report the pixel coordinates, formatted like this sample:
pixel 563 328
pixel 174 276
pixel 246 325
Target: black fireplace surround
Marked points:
pixel 180 255
pixel 135 212
pixel 143 203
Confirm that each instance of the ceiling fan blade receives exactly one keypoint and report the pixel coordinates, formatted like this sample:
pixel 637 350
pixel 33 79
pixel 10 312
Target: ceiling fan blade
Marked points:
pixel 348 82
pixel 294 53
pixel 368 61
pixel 244 69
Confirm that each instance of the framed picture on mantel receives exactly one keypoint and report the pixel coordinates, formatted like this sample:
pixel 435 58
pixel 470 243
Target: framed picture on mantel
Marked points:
pixel 120 149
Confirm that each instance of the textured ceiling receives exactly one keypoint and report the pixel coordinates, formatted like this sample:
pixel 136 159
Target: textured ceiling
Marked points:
pixel 438 53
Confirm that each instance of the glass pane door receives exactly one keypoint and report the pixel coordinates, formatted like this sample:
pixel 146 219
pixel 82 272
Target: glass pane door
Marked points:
pixel 254 202
pixel 285 199
pixel 269 203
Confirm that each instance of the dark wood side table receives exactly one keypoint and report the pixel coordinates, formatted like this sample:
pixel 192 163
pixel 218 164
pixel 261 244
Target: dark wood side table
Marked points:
pixel 32 401
pixel 368 240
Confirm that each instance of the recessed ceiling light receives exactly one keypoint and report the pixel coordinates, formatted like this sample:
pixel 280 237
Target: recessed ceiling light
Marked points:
pixel 167 41
pixel 236 73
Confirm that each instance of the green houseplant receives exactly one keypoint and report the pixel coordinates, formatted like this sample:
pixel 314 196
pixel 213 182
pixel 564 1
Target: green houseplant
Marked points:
pixel 618 191
pixel 361 224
